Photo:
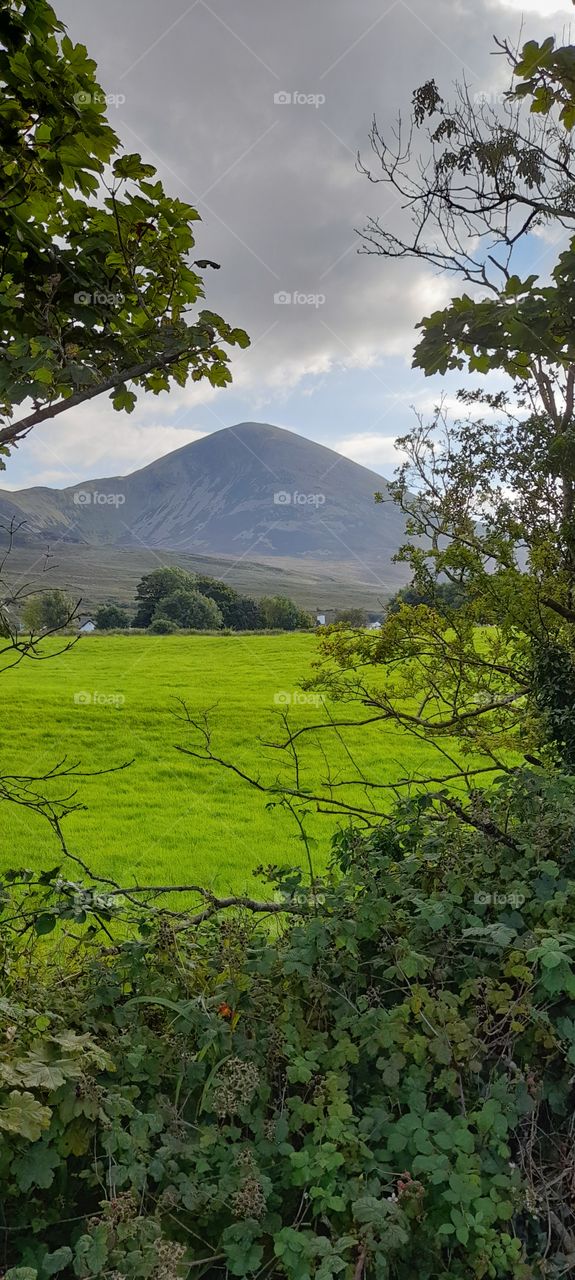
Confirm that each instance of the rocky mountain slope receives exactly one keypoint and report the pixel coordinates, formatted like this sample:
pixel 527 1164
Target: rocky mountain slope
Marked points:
pixel 251 490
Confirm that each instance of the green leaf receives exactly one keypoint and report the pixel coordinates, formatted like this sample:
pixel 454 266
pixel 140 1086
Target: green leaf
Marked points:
pixel 123 399
pixel 44 923
pixel 243 1252
pixel 56 1261
pixel 35 1168
pixel 132 166
pixel 39 1071
pixel 92 1252
pixel 24 1115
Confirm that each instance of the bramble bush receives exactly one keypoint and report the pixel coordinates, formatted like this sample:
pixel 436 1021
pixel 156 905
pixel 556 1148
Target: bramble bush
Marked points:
pixel 382 1086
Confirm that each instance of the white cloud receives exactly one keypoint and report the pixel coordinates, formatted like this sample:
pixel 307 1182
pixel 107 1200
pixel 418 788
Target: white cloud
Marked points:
pixel 61 454
pixel 544 8
pixel 371 450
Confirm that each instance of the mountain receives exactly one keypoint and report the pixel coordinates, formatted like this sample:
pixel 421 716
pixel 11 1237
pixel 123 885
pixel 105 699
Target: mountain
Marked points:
pixel 250 490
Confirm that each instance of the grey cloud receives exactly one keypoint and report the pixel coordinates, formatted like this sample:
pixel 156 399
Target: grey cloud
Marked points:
pixel 276 183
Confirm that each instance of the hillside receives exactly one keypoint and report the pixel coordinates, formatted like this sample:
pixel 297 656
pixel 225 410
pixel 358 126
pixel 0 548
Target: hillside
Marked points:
pixel 95 575
pixel 251 491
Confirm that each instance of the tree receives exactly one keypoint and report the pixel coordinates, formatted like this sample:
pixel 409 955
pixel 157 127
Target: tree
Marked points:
pixel 351 617
pixel 447 594
pixel 49 611
pixel 98 289
pixel 245 615
pixel 493 178
pixel 154 586
pixel 478 178
pixel 241 613
pixel 489 499
pixel 189 609
pixel 281 614
pixel 484 665
pixel 161 626
pixel 110 616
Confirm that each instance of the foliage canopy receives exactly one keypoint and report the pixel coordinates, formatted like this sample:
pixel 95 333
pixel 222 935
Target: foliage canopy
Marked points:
pixel 98 287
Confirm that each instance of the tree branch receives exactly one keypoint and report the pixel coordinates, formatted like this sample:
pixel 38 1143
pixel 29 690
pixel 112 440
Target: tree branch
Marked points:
pixel 16 430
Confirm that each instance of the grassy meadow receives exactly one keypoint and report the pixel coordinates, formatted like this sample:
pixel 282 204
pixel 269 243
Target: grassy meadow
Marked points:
pixel 169 818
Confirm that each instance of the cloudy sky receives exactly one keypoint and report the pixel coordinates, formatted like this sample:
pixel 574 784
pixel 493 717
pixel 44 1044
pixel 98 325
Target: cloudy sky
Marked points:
pixel 199 89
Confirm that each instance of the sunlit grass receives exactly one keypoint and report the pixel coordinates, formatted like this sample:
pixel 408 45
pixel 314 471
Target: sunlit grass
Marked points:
pixel 169 818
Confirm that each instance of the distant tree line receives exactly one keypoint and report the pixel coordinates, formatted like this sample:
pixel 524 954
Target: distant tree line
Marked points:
pixel 438 595
pixel 171 599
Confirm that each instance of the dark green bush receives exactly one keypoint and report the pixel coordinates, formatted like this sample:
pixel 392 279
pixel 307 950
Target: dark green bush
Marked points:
pixel 162 627
pixel 383 1088
pixel 110 617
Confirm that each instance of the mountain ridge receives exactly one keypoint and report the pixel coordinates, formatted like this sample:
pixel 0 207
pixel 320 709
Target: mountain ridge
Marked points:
pixel 250 489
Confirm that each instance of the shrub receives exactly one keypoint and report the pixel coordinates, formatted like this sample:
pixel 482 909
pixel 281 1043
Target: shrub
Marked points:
pixel 352 617
pixel 162 627
pixel 383 1087
pixel 281 613
pixel 190 609
pixel 110 616
pixel 48 611
pixel 240 613
pixel 154 586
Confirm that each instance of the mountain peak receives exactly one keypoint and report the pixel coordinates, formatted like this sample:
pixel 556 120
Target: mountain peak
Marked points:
pixel 249 490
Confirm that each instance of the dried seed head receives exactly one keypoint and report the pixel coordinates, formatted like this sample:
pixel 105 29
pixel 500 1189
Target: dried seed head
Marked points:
pixel 249 1200
pixel 235 1086
pixel 169 1263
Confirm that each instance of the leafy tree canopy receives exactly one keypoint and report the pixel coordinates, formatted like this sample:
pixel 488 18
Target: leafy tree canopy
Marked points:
pixel 109 616
pixel 154 586
pixel 490 497
pixel 189 608
pixel 239 612
pixel 351 617
pixel 278 612
pixel 450 595
pixel 99 291
pixel 48 611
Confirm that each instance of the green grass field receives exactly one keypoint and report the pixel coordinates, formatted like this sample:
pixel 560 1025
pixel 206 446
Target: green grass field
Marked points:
pixel 169 818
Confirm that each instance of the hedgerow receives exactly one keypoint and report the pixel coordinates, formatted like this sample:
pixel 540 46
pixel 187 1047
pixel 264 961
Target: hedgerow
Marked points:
pixel 383 1086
